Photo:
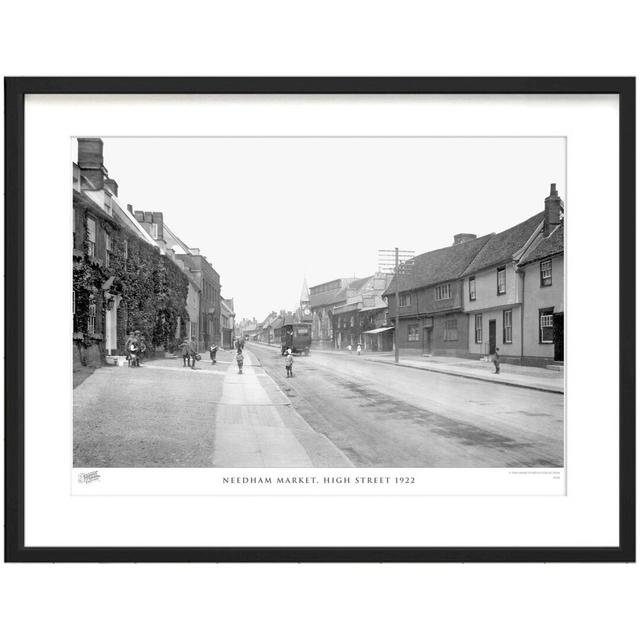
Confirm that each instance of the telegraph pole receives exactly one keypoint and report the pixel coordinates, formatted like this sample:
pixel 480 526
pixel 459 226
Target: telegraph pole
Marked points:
pixel 398 262
pixel 396 331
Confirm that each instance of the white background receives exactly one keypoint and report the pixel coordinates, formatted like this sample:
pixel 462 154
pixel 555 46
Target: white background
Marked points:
pixel 369 38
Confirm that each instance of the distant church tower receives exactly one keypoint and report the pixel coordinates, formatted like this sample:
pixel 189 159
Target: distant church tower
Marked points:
pixel 305 308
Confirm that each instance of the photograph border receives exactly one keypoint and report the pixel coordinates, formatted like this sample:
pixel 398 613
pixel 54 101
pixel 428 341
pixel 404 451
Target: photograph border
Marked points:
pixel 16 89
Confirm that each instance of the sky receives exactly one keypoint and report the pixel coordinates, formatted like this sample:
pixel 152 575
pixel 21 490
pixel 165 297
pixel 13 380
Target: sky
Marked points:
pixel 268 212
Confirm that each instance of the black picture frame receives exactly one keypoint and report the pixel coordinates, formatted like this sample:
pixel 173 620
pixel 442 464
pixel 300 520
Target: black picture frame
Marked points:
pixel 15 91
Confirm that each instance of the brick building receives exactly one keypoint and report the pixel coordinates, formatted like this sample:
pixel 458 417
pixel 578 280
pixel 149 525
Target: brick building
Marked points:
pixel 209 284
pixel 116 263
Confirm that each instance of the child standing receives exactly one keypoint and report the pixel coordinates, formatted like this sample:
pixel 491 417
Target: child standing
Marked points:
pixel 288 364
pixel 239 360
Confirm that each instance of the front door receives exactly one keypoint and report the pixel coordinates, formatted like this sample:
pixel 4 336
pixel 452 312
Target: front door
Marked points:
pixel 558 337
pixel 426 344
pixel 492 337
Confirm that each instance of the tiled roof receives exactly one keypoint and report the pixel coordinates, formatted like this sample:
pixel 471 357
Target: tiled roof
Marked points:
pixel 502 246
pixel 545 247
pixel 355 285
pixel 326 298
pixel 440 265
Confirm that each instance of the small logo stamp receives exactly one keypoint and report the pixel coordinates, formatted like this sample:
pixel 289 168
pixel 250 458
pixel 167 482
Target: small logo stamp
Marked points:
pixel 86 478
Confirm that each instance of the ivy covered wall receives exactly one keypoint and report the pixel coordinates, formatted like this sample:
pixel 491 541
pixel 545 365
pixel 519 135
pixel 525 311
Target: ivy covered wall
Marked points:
pixel 152 287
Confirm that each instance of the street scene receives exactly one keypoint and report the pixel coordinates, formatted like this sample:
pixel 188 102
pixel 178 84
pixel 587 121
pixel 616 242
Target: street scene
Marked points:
pixel 448 354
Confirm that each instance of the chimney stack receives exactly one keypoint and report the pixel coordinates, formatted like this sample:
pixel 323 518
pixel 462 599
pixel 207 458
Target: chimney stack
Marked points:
pixel 91 161
pixel 459 238
pixel 553 211
pixel 112 186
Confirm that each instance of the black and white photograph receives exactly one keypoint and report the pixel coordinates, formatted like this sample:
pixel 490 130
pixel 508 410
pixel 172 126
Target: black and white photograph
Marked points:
pixel 318 302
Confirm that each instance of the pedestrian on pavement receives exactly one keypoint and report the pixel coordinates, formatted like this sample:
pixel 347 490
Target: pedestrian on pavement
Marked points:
pixel 141 347
pixel 186 359
pixel 239 360
pixel 496 360
pixel 134 354
pixel 193 352
pixel 213 350
pixel 127 346
pixel 359 349
pixel 288 364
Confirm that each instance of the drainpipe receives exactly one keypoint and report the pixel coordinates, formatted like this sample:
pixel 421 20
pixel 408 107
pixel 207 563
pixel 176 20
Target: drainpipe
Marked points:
pixel 522 274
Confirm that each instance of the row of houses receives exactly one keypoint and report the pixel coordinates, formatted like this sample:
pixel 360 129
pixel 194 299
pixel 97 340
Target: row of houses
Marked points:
pixel 132 272
pixel 503 290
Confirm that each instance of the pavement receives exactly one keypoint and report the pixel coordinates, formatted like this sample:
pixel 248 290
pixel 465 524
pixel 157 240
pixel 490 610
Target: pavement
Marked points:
pixel 537 378
pixel 166 415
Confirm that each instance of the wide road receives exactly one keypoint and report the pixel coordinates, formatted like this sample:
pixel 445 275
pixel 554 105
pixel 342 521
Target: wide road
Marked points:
pixel 381 415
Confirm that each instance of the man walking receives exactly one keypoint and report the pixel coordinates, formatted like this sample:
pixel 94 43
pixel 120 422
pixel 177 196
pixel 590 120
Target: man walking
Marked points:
pixel 496 360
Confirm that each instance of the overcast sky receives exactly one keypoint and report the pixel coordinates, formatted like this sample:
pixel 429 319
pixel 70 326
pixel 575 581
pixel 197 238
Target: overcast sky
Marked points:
pixel 269 211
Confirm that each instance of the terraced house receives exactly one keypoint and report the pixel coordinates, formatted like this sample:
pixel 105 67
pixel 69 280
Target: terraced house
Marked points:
pixel 505 306
pixel 431 306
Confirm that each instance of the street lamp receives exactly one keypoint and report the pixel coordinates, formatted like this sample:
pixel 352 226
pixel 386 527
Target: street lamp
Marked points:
pixel 400 263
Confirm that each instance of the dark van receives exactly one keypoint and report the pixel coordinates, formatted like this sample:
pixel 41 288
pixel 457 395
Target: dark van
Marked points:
pixel 297 337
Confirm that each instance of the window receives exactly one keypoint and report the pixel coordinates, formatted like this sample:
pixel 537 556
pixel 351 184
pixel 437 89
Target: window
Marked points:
pixel 451 329
pixel 91 237
pixel 405 299
pixel 91 322
pixel 502 280
pixel 478 328
pixel 546 325
pixel 507 323
pixel 443 292
pixel 107 245
pixel 413 334
pixel 472 288
pixel 352 322
pixel 545 273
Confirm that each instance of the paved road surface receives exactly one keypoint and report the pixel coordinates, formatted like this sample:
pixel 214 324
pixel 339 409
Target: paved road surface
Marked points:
pixel 335 412
pixel 380 415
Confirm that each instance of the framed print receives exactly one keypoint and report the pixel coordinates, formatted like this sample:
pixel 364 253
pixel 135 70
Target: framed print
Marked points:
pixel 320 319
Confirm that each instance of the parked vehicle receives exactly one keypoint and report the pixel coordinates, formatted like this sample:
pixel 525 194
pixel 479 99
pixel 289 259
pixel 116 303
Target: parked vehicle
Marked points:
pixel 297 337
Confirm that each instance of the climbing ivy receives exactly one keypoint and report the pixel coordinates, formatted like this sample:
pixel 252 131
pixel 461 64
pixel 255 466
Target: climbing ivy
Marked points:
pixel 153 290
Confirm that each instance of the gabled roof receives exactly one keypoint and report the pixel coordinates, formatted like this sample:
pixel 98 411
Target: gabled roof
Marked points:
pixel 355 285
pixel 545 247
pixel 503 246
pixel 333 297
pixel 440 265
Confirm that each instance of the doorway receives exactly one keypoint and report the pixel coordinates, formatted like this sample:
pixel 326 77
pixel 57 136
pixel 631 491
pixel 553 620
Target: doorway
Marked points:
pixel 492 337
pixel 558 337
pixel 426 340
